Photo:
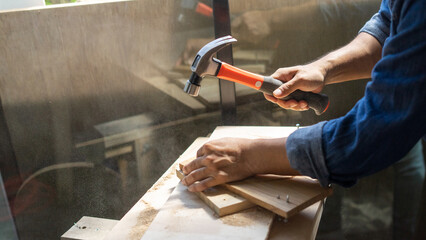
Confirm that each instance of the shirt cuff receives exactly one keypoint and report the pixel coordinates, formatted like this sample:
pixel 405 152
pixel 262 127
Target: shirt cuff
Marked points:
pixel 304 151
pixel 377 28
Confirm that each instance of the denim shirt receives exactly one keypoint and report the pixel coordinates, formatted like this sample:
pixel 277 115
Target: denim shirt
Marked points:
pixel 391 117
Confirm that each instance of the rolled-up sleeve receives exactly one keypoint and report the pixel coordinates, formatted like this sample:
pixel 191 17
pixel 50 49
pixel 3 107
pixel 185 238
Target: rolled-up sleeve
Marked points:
pixel 379 25
pixel 304 150
pixel 385 124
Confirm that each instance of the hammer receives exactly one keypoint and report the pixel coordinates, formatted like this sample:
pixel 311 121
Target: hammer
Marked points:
pixel 205 64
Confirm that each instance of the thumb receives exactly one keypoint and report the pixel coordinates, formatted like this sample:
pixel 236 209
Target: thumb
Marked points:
pixel 285 89
pixel 285 74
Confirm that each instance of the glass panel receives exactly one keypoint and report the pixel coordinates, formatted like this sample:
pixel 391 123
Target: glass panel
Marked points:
pixel 94 108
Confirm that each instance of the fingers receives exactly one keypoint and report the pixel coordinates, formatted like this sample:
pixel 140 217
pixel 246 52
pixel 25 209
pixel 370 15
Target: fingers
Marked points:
pixel 288 87
pixel 293 105
pixel 290 104
pixel 196 175
pixel 285 74
pixel 270 98
pixel 290 84
pixel 193 165
pixel 203 178
pixel 203 185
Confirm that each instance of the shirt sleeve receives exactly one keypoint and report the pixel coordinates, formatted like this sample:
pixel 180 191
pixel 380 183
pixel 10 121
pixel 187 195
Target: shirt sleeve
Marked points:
pixel 379 25
pixel 385 124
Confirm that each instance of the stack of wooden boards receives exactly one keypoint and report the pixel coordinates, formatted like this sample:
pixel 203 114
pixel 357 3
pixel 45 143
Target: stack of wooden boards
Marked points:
pixel 186 216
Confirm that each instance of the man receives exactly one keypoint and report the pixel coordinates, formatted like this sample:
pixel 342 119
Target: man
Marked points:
pixel 383 126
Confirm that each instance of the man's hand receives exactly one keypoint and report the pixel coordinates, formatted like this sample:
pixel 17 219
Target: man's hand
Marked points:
pixel 308 78
pixel 232 159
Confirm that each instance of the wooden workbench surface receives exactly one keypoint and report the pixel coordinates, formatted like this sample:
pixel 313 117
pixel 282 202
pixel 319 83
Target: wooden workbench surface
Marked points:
pixel 134 224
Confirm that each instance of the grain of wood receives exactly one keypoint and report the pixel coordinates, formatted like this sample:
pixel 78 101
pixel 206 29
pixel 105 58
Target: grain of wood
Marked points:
pixel 221 200
pixel 185 216
pixel 301 226
pixel 272 193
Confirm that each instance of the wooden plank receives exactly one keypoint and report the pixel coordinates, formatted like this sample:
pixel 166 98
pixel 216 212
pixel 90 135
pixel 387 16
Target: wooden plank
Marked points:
pixel 221 200
pixel 251 132
pixel 89 228
pixel 134 224
pixel 185 216
pixel 304 225
pixel 272 193
pixel 136 221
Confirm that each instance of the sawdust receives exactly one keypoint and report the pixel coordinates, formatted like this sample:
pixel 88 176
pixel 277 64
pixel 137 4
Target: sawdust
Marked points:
pixel 247 217
pixel 144 219
pixel 164 179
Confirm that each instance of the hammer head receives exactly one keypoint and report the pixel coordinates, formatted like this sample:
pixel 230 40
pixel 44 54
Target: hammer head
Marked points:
pixel 204 64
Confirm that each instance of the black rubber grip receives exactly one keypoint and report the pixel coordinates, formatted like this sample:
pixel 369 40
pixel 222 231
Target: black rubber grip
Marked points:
pixel 316 101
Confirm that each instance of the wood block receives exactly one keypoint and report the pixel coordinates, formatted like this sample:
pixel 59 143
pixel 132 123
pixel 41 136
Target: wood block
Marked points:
pixel 272 193
pixel 302 191
pixel 221 200
pixel 251 132
pixel 185 216
pixel 304 225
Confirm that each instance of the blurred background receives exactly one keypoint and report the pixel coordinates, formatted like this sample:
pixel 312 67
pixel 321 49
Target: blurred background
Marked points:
pixel 92 110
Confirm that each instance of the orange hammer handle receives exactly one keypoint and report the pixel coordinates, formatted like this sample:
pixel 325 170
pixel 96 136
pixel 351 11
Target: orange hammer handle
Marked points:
pixel 316 101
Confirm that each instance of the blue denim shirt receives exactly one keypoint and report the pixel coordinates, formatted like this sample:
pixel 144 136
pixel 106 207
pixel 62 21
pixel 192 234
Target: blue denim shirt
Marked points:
pixel 391 117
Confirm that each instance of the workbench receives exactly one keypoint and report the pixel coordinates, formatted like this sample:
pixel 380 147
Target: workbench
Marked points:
pixel 137 220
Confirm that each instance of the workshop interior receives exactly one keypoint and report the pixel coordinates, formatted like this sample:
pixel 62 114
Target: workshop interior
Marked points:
pixel 93 111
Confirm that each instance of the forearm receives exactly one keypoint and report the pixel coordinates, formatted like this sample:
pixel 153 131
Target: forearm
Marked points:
pixel 353 61
pixel 268 156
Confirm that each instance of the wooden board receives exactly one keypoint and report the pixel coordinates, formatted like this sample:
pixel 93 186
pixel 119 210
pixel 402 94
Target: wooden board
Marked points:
pixel 221 200
pixel 303 225
pixel 132 226
pixel 185 216
pixel 272 193
pixel 89 228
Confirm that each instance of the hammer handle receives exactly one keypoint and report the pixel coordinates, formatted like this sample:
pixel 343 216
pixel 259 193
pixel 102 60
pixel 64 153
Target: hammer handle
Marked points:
pixel 316 101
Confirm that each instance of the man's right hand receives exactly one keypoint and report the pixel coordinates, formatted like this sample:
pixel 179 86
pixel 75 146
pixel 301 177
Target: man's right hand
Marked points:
pixel 308 78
